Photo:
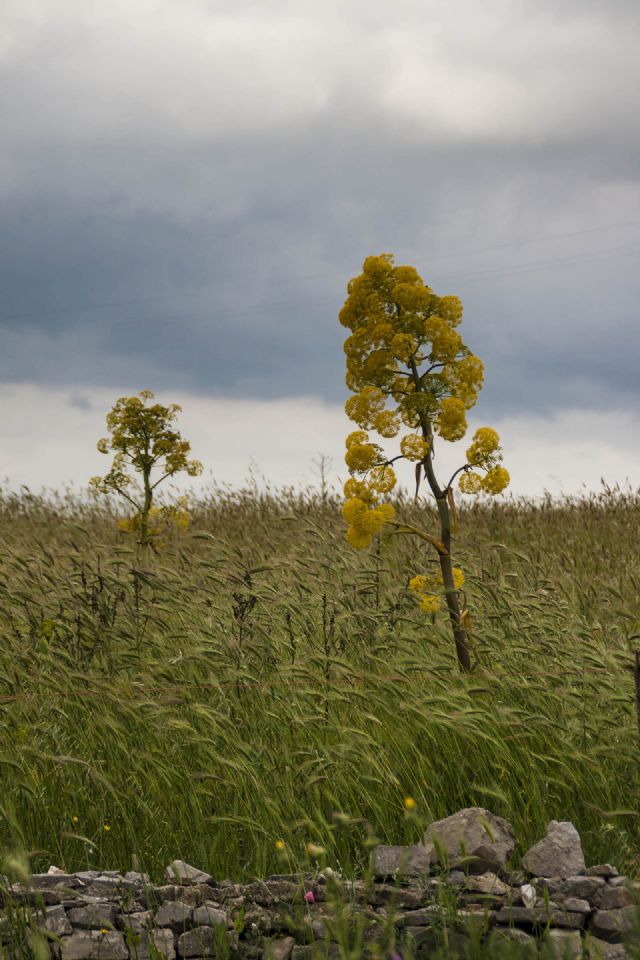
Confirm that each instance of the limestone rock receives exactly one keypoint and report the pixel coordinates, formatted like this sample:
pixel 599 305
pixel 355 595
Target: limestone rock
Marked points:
pixel 613 897
pixel 473 838
pixel 138 923
pixel 418 918
pixel 199 942
pixel 51 881
pixel 576 905
pixel 174 914
pixel 528 895
pixel 539 917
pixel 95 916
pixel 586 888
pixel 559 854
pixel 208 915
pixel 180 872
pixel 565 944
pixel 612 925
pixel 94 945
pixel 602 950
pixel 602 870
pixel 488 884
pixel 280 949
pixel 513 934
pixel 55 921
pixel 154 942
pixel 392 861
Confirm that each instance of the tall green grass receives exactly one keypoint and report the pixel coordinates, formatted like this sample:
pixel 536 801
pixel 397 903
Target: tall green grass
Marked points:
pixel 259 678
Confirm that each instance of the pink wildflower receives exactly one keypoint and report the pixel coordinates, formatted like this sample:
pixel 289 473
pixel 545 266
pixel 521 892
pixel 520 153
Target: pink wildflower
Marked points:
pixel 309 896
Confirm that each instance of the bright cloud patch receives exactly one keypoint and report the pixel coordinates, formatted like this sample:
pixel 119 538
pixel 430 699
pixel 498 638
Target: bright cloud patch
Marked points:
pixel 48 438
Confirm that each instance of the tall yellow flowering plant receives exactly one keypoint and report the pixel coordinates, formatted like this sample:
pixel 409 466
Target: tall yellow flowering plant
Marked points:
pixel 409 369
pixel 144 442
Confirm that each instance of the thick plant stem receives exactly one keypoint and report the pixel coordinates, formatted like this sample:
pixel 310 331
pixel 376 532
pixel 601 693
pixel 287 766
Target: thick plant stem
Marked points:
pixel 145 537
pixel 451 594
pixel 460 636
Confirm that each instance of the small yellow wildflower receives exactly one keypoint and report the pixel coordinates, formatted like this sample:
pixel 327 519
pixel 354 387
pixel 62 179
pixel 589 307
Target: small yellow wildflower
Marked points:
pixel 280 845
pixel 458 577
pixel 106 827
pixel 409 803
pixel 75 820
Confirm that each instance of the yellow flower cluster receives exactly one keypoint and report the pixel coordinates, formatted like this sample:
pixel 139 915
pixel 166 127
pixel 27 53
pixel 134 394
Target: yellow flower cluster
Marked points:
pixel 414 447
pixel 364 515
pixel 484 447
pixel 451 420
pixel 494 481
pixel 364 406
pixel 163 522
pixel 426 585
pixel 361 455
pixel 365 521
pixel 484 452
pixel 396 323
pixel 406 364
pixel 387 423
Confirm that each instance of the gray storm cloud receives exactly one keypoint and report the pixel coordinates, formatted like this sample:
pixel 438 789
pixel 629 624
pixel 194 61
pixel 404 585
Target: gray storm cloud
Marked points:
pixel 186 189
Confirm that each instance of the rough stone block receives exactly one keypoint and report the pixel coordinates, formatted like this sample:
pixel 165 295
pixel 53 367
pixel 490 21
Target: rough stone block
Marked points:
pixel 596 949
pixel 209 915
pixel 95 916
pixel 199 942
pixel 565 944
pixel 137 922
pixel 612 925
pixel 150 943
pixel 174 914
pixel 392 861
pixel 183 873
pixel 612 898
pixel 602 870
pixel 55 921
pixel 559 854
pixel 472 838
pixel 488 884
pixel 94 945
pixel 539 917
pixel 280 949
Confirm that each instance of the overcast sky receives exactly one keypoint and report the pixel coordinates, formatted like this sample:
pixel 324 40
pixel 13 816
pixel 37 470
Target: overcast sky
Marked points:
pixel 187 185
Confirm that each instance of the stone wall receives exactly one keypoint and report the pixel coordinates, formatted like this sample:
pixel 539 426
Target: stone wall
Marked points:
pixel 455 887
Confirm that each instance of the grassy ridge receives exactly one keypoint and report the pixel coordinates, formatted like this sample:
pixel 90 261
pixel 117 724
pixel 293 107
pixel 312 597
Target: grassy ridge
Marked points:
pixel 259 676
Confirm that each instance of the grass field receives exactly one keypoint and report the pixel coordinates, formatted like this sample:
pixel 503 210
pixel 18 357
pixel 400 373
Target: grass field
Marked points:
pixel 259 680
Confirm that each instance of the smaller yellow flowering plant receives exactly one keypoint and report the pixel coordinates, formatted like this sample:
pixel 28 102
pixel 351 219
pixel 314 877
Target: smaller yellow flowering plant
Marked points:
pixel 408 367
pixel 145 443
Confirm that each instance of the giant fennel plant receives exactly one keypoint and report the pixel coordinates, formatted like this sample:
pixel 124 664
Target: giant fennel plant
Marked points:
pixel 409 370
pixel 147 450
